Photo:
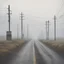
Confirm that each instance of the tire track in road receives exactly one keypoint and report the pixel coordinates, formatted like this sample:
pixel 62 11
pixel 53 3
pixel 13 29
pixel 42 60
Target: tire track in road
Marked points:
pixel 39 59
pixel 44 55
pixel 34 57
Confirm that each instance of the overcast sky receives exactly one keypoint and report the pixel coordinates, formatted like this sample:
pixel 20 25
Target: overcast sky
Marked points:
pixel 36 12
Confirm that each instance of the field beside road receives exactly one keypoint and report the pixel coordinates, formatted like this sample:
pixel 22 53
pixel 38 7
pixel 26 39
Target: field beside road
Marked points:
pixel 57 45
pixel 8 46
pixel 9 49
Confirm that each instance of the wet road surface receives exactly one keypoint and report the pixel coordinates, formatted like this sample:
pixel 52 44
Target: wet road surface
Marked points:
pixel 34 52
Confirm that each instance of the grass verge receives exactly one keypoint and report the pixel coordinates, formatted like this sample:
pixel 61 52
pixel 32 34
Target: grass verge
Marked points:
pixel 58 45
pixel 8 46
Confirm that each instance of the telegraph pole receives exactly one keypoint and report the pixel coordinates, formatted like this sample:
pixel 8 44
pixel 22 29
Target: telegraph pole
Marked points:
pixel 27 30
pixel 17 31
pixel 22 35
pixel 48 29
pixel 54 27
pixel 9 16
pixel 8 34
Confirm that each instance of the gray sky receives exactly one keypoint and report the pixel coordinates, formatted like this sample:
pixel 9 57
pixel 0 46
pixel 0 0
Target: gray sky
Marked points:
pixel 36 12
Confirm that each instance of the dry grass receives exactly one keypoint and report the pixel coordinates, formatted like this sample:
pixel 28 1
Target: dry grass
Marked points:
pixel 57 45
pixel 7 46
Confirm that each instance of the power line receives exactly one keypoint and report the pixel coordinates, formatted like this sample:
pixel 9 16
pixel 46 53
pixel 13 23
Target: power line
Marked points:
pixel 60 8
pixel 61 16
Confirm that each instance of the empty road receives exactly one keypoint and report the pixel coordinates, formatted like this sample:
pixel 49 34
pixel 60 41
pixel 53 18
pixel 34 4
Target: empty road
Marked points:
pixel 34 52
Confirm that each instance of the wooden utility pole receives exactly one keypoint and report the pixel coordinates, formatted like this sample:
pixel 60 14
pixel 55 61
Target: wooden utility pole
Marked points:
pixel 9 16
pixel 46 30
pixel 8 33
pixel 27 31
pixel 54 27
pixel 17 31
pixel 22 35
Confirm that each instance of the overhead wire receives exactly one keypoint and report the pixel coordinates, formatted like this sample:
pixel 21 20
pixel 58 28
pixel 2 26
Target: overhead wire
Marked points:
pixel 60 8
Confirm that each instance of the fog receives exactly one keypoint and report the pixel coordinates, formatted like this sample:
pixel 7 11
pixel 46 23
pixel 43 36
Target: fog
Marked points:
pixel 36 13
